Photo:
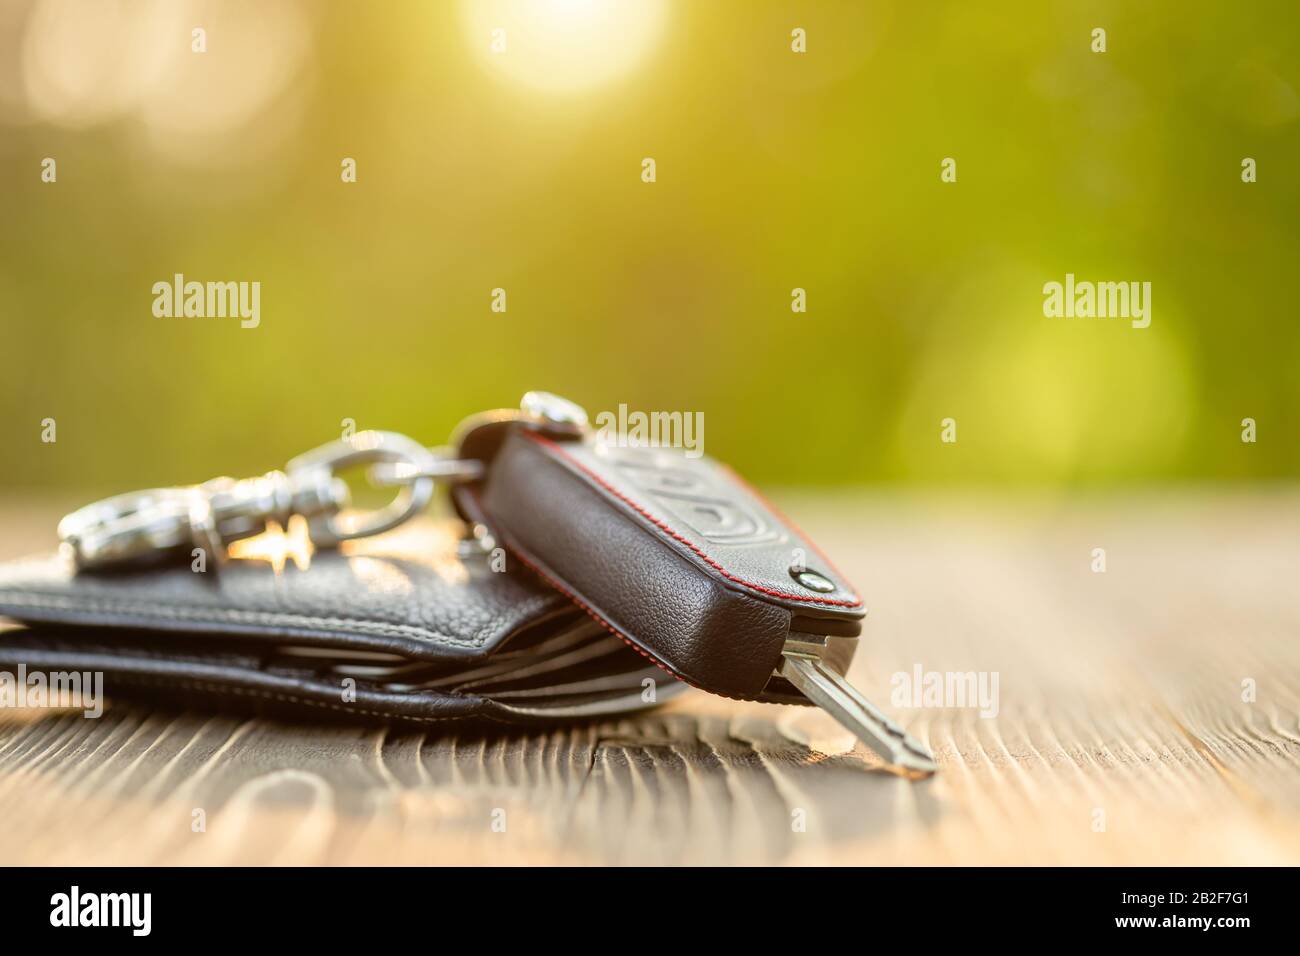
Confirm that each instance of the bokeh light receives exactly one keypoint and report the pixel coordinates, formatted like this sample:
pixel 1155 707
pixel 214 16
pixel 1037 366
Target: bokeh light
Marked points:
pixel 519 167
pixel 563 46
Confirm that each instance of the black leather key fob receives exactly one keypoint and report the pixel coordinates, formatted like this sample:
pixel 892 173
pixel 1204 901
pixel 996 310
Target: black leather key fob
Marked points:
pixel 674 554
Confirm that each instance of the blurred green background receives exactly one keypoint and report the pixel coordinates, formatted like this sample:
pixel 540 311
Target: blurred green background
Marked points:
pixel 521 169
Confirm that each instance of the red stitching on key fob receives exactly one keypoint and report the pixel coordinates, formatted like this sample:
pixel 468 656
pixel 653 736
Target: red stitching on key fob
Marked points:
pixel 592 614
pixel 514 549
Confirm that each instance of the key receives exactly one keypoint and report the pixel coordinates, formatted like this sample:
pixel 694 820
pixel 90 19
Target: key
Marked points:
pixel 681 559
pixel 835 695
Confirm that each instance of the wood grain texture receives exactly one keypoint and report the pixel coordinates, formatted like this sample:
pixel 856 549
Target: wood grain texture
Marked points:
pixel 1120 693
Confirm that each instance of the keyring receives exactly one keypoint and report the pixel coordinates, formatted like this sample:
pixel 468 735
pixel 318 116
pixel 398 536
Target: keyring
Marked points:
pixel 143 526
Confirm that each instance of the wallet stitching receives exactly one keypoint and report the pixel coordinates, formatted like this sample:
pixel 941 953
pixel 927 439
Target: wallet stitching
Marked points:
pixel 226 615
pixel 275 695
pixel 657 522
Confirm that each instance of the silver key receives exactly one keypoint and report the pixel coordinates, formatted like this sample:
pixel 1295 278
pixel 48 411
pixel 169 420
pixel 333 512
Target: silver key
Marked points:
pixel 832 693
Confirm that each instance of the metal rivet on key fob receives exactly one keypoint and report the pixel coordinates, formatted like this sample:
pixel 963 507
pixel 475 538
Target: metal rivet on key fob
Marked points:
pixel 554 409
pixel 812 580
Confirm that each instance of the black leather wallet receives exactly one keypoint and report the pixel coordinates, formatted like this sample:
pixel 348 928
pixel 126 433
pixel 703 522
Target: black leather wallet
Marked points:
pixel 414 625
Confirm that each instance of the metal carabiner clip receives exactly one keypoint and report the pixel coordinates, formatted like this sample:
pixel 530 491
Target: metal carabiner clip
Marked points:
pixel 149 525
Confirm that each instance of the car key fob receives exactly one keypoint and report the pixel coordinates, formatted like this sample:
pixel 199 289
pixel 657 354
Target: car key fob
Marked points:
pixel 681 559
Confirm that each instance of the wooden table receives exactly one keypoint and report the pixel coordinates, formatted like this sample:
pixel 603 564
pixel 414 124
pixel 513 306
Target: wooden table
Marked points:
pixel 1121 734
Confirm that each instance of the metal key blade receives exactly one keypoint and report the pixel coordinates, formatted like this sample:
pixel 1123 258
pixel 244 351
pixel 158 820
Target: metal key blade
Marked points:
pixel 833 694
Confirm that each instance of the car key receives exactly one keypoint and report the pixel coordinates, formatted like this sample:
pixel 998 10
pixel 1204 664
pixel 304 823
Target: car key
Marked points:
pixel 680 559
pixel 674 554
pixel 830 691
